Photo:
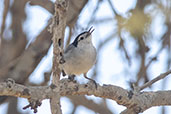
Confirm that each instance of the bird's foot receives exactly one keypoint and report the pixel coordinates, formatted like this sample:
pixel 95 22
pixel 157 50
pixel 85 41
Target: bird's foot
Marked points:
pixel 94 83
pixel 91 80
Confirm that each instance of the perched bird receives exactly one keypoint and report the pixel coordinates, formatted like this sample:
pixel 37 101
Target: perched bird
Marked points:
pixel 79 56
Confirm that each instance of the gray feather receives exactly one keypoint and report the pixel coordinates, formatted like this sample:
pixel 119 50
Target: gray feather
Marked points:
pixel 69 48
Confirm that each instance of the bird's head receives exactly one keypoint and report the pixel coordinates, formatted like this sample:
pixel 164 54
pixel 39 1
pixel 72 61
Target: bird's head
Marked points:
pixel 83 38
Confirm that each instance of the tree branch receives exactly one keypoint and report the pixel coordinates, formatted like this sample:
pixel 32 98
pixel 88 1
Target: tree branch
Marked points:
pixel 57 27
pixel 137 102
pixel 78 100
pixel 161 76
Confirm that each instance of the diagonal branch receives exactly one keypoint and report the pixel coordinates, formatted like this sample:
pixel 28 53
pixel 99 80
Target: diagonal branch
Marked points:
pixel 90 104
pixel 161 76
pixel 112 7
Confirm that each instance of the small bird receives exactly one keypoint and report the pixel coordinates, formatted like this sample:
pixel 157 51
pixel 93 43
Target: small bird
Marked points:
pixel 79 56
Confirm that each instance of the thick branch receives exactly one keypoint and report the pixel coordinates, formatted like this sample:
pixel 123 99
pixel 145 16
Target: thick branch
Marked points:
pixel 26 63
pixel 10 88
pixel 58 28
pixel 137 102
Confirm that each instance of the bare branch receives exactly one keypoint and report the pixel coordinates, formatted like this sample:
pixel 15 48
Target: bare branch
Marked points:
pixel 90 104
pixel 26 63
pixel 112 7
pixel 161 76
pixel 137 102
pixel 58 28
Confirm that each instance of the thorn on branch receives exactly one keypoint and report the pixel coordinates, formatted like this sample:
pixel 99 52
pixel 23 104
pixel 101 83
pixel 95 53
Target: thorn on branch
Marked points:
pixel 34 104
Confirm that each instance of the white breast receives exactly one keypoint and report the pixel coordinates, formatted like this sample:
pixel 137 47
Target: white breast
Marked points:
pixel 81 59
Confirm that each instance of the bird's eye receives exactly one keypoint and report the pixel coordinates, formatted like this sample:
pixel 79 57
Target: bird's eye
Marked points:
pixel 81 38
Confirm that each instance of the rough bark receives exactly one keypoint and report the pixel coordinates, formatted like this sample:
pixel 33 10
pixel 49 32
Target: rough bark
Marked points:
pixel 135 101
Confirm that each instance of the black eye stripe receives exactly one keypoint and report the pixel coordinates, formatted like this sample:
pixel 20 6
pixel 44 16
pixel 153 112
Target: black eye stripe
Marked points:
pixel 77 39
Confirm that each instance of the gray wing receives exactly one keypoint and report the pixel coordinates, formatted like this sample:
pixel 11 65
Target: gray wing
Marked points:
pixel 69 48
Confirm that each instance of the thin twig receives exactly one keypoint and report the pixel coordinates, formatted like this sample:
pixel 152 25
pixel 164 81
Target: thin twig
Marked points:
pixel 113 9
pixel 161 76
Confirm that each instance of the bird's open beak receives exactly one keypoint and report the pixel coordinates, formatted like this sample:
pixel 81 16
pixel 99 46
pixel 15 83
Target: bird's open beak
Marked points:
pixel 90 31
